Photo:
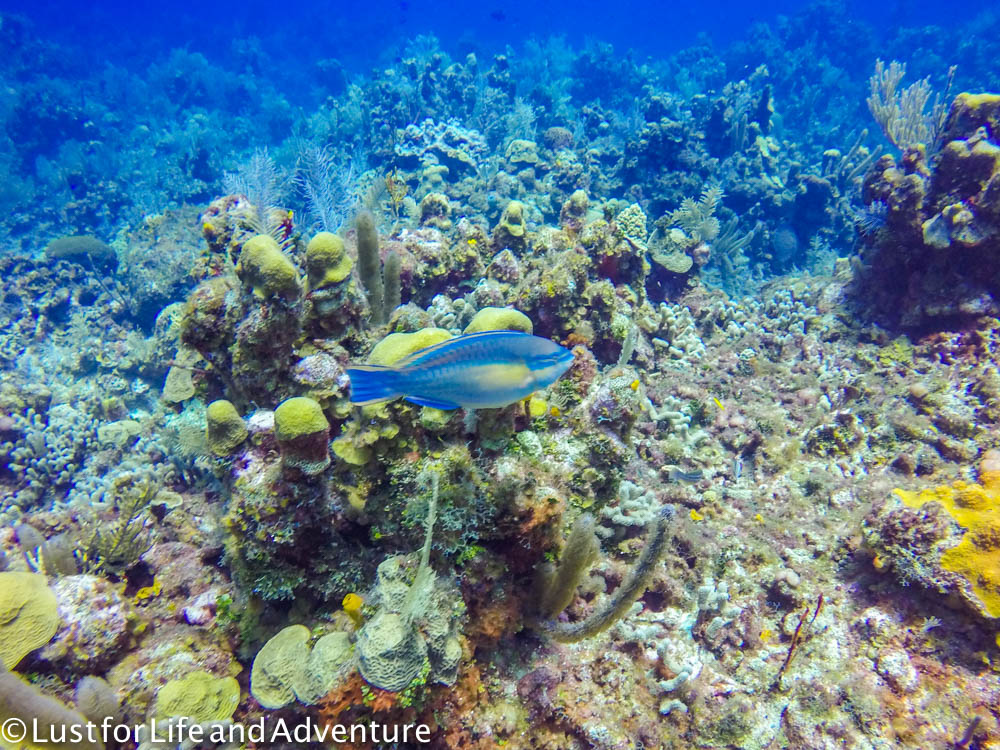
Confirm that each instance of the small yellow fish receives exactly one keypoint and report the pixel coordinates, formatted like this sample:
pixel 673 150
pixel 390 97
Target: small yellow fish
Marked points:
pixel 352 606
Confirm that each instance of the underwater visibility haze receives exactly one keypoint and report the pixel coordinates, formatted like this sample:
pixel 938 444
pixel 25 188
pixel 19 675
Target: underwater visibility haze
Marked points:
pixel 534 376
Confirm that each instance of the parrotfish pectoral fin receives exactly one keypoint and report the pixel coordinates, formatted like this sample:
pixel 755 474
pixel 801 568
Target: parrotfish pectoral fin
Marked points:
pixel 443 405
pixel 371 384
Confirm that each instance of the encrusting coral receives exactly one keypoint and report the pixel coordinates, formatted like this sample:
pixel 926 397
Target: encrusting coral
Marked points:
pixel 199 696
pixel 976 508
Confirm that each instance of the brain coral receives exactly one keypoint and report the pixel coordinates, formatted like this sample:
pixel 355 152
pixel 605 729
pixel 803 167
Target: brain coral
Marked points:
pixel 199 696
pixel 28 615
pixel 286 669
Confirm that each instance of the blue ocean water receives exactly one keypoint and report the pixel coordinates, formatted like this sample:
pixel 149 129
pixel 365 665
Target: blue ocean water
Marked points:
pixel 759 508
pixel 90 78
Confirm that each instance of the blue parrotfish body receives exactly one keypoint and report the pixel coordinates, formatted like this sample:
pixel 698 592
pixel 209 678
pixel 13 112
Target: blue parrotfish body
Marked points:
pixel 485 370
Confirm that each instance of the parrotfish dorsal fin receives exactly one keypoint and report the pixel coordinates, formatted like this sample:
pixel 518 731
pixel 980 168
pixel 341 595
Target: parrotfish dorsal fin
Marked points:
pixel 464 340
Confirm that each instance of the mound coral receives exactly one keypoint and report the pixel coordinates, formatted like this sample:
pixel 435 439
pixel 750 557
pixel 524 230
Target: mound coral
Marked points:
pixel 326 261
pixel 395 346
pixel 267 270
pixel 199 696
pixel 301 430
pixel 499 319
pixel 225 429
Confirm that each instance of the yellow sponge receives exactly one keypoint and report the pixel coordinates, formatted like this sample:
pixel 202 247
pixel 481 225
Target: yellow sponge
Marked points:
pixel 977 557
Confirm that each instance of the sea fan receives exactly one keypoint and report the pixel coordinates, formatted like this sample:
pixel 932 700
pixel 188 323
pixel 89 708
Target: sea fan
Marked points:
pixel 326 183
pixel 265 187
pixel 696 217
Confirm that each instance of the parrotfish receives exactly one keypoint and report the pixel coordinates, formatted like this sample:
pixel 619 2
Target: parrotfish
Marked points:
pixel 485 370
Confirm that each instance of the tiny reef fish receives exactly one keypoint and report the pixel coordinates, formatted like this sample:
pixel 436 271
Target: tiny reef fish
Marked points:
pixel 678 475
pixel 485 370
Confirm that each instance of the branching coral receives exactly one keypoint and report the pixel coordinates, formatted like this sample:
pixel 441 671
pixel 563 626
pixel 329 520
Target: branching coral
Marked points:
pixel 49 451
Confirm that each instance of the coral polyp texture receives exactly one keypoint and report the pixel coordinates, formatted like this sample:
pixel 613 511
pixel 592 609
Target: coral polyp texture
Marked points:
pixel 741 300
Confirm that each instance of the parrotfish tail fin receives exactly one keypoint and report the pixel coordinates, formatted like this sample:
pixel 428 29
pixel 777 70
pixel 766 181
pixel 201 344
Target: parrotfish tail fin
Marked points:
pixel 371 384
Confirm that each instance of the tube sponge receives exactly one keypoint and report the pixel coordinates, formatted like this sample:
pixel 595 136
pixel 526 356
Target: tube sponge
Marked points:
pixel 19 700
pixel 392 288
pixel 96 699
pixel 369 265
pixel 619 602
pixel 578 555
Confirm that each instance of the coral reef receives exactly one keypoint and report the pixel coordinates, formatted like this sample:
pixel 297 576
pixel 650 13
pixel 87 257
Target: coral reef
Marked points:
pixel 748 514
pixel 931 261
